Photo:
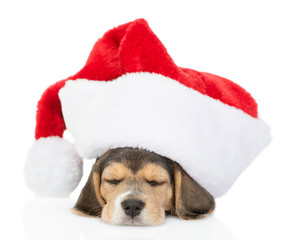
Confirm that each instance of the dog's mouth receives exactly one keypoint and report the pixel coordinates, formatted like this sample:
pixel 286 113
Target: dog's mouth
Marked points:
pixel 128 221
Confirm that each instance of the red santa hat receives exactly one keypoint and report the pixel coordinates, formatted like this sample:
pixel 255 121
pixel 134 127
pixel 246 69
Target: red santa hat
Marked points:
pixel 130 93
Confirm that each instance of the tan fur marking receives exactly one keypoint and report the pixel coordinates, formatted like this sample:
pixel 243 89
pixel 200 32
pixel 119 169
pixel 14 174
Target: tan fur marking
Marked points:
pixel 115 171
pixel 80 213
pixel 177 179
pixel 112 194
pixel 159 197
pixel 96 180
pixel 153 172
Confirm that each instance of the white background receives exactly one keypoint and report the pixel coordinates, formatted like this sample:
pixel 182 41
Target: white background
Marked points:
pixel 248 42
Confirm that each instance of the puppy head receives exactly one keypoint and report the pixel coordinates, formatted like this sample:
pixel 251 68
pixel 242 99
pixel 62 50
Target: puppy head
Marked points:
pixel 136 187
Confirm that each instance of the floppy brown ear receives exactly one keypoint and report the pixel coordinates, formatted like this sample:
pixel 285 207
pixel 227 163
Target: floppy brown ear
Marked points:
pixel 191 200
pixel 90 202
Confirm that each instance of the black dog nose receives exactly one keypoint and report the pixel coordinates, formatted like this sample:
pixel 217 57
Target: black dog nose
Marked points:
pixel 132 207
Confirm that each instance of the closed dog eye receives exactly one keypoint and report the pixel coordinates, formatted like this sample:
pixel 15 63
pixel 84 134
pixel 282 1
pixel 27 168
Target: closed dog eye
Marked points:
pixel 113 181
pixel 155 183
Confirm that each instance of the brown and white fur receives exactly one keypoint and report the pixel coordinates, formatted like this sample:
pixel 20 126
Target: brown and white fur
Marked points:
pixel 130 186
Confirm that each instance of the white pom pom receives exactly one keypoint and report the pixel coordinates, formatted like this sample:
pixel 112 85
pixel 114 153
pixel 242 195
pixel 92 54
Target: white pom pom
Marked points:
pixel 53 167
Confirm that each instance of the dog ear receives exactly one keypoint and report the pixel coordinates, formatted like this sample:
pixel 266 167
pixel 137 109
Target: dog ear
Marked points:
pixel 90 201
pixel 191 200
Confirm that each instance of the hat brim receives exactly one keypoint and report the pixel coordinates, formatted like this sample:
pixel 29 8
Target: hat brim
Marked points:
pixel 212 141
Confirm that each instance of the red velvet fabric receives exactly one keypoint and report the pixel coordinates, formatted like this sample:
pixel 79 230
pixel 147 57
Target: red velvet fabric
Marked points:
pixel 129 48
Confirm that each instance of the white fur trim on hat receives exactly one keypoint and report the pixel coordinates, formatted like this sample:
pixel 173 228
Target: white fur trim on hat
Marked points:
pixel 212 141
pixel 53 167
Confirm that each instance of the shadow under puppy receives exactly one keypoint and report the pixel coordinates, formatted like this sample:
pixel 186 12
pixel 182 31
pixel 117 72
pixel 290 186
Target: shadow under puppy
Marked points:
pixel 130 186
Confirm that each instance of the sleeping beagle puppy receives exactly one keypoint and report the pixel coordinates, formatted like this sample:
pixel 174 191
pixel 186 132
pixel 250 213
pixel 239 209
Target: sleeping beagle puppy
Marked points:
pixel 129 186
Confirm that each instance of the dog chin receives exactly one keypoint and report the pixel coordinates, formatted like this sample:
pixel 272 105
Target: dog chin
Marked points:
pixel 137 221
pixel 122 219
pixel 127 221
pixel 132 222
pixel 141 220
